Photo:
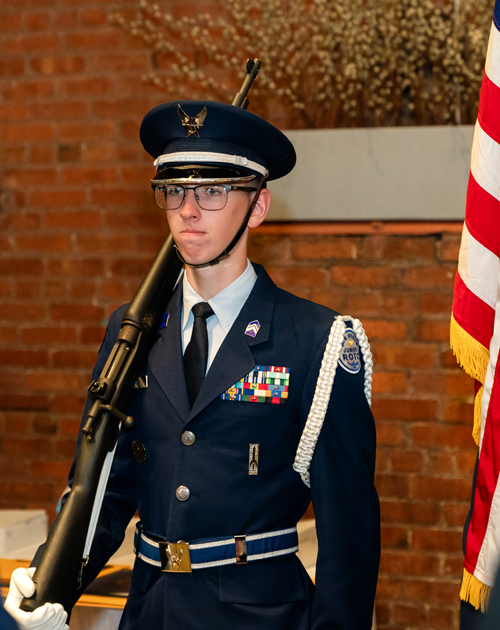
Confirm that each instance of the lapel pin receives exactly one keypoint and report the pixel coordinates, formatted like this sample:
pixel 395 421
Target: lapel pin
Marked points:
pixel 252 329
pixel 164 321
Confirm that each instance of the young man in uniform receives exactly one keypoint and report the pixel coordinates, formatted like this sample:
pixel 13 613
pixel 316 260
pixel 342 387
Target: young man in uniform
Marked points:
pixel 226 392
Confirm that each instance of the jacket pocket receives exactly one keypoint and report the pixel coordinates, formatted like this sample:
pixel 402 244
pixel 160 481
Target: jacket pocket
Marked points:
pixel 261 583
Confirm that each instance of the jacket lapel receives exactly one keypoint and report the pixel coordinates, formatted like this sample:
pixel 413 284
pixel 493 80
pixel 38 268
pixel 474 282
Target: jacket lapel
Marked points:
pixel 235 357
pixel 165 358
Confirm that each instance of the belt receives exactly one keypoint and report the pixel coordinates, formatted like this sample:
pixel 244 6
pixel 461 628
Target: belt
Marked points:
pixel 183 557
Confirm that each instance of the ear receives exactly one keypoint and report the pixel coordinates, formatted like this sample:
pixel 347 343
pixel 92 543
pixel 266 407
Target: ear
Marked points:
pixel 261 209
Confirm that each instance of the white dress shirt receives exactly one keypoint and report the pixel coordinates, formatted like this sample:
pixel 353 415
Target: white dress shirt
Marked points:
pixel 226 306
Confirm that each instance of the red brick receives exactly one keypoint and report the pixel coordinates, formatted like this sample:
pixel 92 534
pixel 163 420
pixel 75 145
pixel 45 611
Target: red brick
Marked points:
pixel 395 537
pixel 66 20
pixel 8 334
pixel 437 436
pixel 11 22
pixel 392 485
pixel 393 247
pixel 119 108
pixel 87 175
pixel 17 423
pixel 49 243
pixel 382 329
pixel 25 447
pixel 18 312
pixel 94 17
pixel 27 289
pixel 409 563
pixel 298 276
pixel 390 434
pixel 405 355
pixel 21 267
pixel 115 290
pixel 121 62
pixel 364 276
pixel 13 154
pixel 37 21
pixel 51 469
pixel 466 460
pixel 329 298
pixel 27 132
pixel 436 303
pixel 132 197
pixel 409 512
pixel 27 89
pixel 399 303
pixel 56 381
pixel 441 462
pixel 105 243
pixel 90 267
pixel 24 491
pixel 24 401
pixel 71 132
pixel 24 358
pixel 13 111
pixel 76 312
pixel 146 220
pixel 45 335
pixel 450 247
pixel 127 267
pixel 24 221
pixel 457 384
pixel 411 616
pixel 149 243
pixel 389 588
pixel 31 43
pixel 440 489
pixel 69 426
pixel 455 513
pixel 99 153
pixel 434 330
pixel 363 303
pixel 436 540
pixel 444 619
pixel 65 403
pixel 78 219
pixel 434 591
pixel 17 178
pixel 57 197
pixel 44 425
pixel 389 383
pixel 59 111
pixel 41 154
pixel 85 86
pixel 407 461
pixel 11 67
pixel 425 277
pixel 93 334
pixel 83 289
pixel 73 359
pixel 58 65
pixel 404 409
pixel 326 248
pixel 93 40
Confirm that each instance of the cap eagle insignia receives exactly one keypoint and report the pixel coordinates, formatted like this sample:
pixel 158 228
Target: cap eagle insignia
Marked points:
pixel 192 123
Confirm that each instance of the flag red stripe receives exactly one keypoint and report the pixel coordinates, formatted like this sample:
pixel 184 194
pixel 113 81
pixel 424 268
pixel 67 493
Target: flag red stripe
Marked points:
pixel 489 106
pixel 482 216
pixel 472 314
pixel 487 478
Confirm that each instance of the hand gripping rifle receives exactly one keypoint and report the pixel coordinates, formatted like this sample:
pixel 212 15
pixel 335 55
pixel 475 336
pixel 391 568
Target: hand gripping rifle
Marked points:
pixel 58 574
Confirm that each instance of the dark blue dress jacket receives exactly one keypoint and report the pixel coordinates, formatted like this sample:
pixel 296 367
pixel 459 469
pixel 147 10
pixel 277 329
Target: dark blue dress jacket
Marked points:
pixel 274 594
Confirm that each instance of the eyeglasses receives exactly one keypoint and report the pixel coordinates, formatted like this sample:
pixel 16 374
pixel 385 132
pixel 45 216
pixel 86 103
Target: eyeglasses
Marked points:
pixel 208 197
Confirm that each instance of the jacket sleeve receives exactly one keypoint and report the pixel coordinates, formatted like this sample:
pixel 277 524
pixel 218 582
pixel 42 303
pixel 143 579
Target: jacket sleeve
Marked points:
pixel 345 504
pixel 120 500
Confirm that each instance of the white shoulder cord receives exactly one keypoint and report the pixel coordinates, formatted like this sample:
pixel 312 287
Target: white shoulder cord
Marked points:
pixel 323 390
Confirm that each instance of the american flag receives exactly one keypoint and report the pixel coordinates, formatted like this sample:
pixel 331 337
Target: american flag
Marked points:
pixel 475 327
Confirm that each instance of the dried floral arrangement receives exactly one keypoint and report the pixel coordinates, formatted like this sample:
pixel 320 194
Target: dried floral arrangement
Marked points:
pixel 326 63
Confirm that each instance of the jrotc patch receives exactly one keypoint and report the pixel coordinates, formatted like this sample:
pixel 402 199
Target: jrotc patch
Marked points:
pixel 264 384
pixel 350 358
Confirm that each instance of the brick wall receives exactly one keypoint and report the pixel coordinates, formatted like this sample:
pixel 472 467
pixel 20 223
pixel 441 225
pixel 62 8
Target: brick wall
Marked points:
pixel 78 229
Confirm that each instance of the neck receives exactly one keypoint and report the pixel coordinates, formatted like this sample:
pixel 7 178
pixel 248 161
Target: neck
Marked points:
pixel 209 281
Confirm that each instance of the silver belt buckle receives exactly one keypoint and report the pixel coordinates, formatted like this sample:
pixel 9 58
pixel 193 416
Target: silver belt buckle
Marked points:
pixel 175 557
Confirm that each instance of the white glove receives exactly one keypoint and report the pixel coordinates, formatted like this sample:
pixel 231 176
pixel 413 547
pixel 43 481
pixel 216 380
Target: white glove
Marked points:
pixel 47 617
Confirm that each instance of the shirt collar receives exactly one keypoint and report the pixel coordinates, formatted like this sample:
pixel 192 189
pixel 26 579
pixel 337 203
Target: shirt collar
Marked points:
pixel 226 305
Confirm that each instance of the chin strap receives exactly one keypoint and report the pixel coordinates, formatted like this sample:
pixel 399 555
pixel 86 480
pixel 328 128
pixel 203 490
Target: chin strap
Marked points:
pixel 232 244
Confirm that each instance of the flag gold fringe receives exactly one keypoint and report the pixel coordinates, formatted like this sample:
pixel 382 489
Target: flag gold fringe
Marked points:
pixel 474 591
pixel 476 429
pixel 471 355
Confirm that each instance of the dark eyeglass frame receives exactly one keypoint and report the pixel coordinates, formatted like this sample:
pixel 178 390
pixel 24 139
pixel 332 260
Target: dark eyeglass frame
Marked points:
pixel 227 187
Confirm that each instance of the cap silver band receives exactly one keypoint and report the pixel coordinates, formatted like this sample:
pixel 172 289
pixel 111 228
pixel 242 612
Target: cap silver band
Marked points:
pixel 204 156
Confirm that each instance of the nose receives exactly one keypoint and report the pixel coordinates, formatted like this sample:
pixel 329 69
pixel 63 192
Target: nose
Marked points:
pixel 189 205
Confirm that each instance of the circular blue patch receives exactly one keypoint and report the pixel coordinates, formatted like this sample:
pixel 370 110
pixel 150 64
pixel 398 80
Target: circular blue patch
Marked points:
pixel 350 358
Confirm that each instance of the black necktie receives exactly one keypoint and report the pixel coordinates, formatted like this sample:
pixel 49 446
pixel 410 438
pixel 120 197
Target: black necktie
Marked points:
pixel 196 353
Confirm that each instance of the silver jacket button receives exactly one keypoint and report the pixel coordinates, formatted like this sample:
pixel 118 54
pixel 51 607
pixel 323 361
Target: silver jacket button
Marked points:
pixel 188 438
pixel 182 493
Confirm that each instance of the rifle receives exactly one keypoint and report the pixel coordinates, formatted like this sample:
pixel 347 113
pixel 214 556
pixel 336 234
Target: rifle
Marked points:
pixel 57 577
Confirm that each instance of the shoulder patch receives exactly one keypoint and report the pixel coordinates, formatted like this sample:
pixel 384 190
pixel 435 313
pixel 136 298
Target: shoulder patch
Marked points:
pixel 350 358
